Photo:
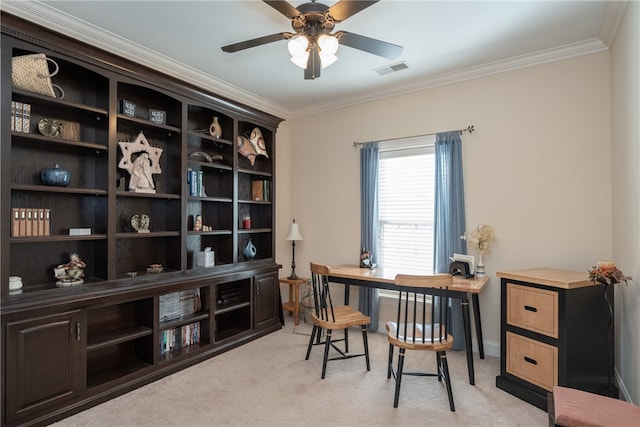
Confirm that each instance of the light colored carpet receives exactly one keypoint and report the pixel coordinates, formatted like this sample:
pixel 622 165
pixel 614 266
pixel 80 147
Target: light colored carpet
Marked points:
pixel 268 383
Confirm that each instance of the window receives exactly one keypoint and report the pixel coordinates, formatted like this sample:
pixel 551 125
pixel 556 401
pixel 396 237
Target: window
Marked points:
pixel 406 194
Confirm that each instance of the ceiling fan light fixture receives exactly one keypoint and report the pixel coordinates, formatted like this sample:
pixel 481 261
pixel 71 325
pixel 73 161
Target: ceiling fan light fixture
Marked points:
pixel 298 48
pixel 327 60
pixel 328 44
pixel 301 61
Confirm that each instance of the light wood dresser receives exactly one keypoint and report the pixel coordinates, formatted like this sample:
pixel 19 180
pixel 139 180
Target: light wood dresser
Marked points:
pixel 554 331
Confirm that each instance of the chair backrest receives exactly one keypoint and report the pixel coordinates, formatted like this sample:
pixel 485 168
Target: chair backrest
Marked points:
pixel 322 301
pixel 423 313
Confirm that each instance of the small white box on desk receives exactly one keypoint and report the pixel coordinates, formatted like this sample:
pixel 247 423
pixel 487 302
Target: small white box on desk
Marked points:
pixel 206 258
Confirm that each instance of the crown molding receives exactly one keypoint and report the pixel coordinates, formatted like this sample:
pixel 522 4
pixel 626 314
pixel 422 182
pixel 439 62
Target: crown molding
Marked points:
pixel 612 19
pixel 44 15
pixel 523 61
pixel 63 23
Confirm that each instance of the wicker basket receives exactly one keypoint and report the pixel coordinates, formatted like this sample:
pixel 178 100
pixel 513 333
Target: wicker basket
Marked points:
pixel 31 73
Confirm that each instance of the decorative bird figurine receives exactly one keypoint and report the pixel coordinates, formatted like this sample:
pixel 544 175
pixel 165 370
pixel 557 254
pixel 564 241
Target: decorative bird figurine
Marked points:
pixel 214 129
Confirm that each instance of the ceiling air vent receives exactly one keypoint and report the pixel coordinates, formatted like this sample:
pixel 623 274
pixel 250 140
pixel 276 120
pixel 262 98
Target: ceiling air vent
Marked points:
pixel 391 68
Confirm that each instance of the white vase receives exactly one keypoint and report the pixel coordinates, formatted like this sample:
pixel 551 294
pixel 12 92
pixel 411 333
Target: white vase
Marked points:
pixel 480 266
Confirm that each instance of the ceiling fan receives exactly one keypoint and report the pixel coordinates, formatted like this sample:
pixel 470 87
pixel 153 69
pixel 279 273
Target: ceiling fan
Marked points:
pixel 312 45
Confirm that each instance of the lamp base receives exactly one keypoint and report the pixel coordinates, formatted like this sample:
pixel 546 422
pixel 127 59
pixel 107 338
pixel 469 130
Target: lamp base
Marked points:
pixel 293 276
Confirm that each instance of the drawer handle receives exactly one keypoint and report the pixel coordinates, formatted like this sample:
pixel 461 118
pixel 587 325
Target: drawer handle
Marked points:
pixel 529 308
pixel 530 360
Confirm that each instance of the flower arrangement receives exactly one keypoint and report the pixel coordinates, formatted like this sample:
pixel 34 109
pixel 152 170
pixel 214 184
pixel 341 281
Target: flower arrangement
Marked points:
pixel 481 237
pixel 606 273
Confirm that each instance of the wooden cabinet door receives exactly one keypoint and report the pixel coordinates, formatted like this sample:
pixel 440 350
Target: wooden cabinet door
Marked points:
pixel 44 365
pixel 266 299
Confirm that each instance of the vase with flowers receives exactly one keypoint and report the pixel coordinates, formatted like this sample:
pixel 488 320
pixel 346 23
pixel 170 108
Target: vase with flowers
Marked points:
pixel 606 274
pixel 481 238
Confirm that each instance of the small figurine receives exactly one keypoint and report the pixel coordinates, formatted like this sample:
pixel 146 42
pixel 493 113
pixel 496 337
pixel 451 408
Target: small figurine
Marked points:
pixel 140 223
pixel 71 273
pixel 197 225
pixel 142 166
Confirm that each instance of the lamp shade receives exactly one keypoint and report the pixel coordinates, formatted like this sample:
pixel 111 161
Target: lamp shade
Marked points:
pixel 294 232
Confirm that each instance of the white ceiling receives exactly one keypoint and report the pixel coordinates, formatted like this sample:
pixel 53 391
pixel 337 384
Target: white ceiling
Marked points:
pixel 444 41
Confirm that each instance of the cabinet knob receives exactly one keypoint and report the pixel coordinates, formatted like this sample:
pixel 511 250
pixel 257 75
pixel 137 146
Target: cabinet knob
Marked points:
pixel 530 308
pixel 77 331
pixel 530 360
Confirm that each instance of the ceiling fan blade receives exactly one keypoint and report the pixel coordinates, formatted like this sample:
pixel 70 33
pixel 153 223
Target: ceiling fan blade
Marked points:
pixel 312 71
pixel 255 42
pixel 284 8
pixel 344 9
pixel 367 44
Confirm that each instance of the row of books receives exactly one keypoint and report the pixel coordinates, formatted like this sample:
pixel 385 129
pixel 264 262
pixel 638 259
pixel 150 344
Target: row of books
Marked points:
pixel 260 190
pixel 194 181
pixel 176 304
pixel 176 338
pixel 20 116
pixel 30 222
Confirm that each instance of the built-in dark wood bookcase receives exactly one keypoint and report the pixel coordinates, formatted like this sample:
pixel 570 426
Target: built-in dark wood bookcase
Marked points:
pixel 67 348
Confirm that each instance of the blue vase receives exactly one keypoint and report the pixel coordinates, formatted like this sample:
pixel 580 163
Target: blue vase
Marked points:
pixel 55 176
pixel 249 251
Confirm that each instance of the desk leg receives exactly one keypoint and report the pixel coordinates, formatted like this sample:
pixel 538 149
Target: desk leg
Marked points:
pixel 467 340
pixel 476 315
pixel 346 331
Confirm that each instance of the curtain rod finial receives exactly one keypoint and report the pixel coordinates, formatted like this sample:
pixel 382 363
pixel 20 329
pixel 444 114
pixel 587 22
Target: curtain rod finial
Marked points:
pixel 356 144
pixel 471 129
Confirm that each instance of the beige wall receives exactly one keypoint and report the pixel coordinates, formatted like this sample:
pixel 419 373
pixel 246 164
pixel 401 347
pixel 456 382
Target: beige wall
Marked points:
pixel 538 169
pixel 625 123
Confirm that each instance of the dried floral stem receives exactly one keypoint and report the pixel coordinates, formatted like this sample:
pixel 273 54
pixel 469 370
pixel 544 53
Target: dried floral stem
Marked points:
pixel 607 276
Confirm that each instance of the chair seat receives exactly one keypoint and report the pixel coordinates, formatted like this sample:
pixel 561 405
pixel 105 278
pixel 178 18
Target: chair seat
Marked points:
pixel 571 407
pixel 345 317
pixel 395 335
pixel 422 316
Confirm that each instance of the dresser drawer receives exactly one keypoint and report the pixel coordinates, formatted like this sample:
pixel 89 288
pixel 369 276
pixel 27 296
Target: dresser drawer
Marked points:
pixel 533 361
pixel 533 309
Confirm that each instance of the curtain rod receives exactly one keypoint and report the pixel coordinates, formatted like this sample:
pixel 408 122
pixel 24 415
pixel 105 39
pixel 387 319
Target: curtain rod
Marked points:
pixel 470 129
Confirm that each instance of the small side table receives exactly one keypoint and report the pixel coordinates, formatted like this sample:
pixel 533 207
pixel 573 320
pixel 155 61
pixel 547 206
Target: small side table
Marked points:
pixel 293 305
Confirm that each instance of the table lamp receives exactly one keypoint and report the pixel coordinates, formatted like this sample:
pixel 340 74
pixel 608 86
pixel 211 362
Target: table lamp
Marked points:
pixel 293 236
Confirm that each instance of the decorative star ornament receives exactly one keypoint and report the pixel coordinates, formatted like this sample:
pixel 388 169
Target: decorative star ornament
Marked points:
pixel 140 180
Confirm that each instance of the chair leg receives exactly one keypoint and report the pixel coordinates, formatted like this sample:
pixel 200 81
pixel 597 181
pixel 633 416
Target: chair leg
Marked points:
pixel 313 334
pixel 326 353
pixel 396 397
pixel 438 365
pixel 346 340
pixel 365 341
pixel 447 379
pixel 390 363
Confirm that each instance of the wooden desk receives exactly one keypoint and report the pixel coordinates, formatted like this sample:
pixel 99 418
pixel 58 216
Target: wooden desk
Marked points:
pixel 384 278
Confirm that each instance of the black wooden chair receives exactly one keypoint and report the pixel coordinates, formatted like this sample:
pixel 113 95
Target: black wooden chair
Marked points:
pixel 421 325
pixel 328 318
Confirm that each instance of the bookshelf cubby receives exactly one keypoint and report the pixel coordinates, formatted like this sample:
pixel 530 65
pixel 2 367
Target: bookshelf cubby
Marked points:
pixel 111 333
